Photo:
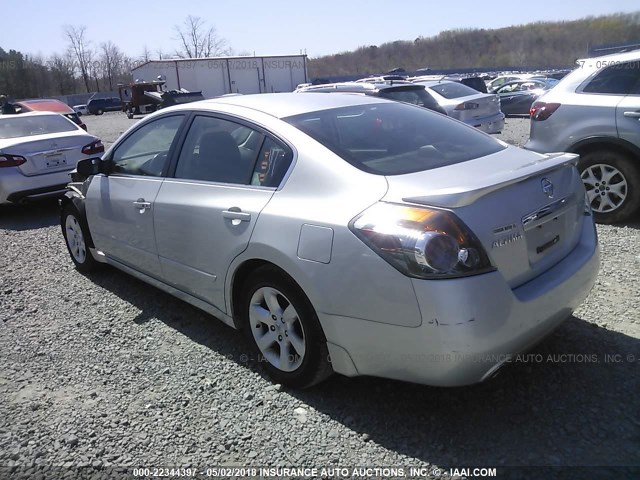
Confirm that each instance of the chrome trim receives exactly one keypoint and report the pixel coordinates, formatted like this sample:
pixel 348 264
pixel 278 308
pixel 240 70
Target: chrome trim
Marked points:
pixel 533 219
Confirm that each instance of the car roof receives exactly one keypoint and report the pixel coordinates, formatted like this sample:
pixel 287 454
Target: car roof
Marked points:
pixel 620 57
pixel 282 105
pixel 431 83
pixel 46 104
pixel 29 114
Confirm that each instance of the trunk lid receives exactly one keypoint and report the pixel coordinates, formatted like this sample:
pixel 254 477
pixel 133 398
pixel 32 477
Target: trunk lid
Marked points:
pixel 48 153
pixel 488 104
pixel 526 209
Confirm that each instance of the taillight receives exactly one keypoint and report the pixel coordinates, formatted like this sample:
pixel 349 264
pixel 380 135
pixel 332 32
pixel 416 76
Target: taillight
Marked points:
pixel 93 148
pixel 7 160
pixel 421 242
pixel 467 106
pixel 542 110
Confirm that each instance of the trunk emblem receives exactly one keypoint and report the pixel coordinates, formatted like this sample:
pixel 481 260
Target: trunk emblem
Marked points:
pixel 547 187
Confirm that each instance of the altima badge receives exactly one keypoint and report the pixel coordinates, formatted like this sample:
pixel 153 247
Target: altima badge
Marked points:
pixel 547 187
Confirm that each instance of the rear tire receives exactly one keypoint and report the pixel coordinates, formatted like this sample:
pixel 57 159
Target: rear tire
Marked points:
pixel 283 329
pixel 612 181
pixel 75 235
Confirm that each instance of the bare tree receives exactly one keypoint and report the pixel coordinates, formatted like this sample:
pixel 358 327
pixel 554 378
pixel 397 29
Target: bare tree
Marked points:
pixel 110 59
pixel 197 40
pixel 62 69
pixel 80 47
pixel 146 54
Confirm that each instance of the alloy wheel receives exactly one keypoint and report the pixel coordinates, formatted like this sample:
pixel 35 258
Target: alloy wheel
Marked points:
pixel 277 329
pixel 606 187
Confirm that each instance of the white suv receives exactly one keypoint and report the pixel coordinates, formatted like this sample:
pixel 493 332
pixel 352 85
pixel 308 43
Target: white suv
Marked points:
pixel 595 112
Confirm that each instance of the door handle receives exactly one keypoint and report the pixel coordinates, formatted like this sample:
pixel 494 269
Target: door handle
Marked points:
pixel 141 205
pixel 635 114
pixel 236 215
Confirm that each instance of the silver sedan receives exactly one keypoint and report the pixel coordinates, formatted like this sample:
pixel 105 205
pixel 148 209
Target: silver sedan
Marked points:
pixel 342 233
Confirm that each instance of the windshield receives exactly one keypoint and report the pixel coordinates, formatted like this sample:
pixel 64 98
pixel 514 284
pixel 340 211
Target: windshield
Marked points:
pixel 23 126
pixel 395 138
pixel 416 96
pixel 453 90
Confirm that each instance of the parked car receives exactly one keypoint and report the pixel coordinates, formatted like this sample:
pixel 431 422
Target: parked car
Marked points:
pixel 595 111
pixel 38 150
pixel 517 97
pixel 398 90
pixel 392 240
pixel 50 105
pixel 81 109
pixel 97 106
pixel 480 110
pixel 475 82
pixel 497 82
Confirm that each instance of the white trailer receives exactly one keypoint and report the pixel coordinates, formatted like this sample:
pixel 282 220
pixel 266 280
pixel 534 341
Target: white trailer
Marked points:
pixel 217 76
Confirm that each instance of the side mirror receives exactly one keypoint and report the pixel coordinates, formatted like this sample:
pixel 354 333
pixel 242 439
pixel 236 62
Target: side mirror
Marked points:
pixel 86 168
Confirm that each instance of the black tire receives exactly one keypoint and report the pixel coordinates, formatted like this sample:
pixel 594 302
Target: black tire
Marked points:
pixel 99 111
pixel 315 366
pixel 83 262
pixel 629 172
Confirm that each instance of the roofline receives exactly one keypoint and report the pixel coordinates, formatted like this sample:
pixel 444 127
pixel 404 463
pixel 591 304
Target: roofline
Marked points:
pixel 237 57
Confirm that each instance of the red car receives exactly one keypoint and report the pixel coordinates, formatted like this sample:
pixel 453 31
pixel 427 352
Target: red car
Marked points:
pixel 50 105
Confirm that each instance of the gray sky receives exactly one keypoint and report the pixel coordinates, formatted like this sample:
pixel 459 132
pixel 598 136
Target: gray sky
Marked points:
pixel 272 27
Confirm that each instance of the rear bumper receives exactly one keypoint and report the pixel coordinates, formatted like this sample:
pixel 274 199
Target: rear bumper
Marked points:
pixel 470 326
pixel 489 124
pixel 16 187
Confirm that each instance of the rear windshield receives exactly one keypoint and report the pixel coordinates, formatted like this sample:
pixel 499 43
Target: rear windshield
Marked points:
pixel 453 90
pixel 416 96
pixel 27 126
pixel 394 138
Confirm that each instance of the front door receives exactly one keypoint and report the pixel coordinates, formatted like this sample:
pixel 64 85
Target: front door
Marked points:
pixel 120 205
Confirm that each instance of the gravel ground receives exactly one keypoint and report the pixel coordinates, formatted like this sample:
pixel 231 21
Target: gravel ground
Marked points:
pixel 103 370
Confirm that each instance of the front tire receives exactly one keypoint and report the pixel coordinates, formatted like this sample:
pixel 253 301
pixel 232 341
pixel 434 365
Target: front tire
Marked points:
pixel 75 236
pixel 612 182
pixel 283 329
pixel 99 111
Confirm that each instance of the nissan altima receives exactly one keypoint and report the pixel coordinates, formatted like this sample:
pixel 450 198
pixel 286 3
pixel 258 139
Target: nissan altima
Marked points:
pixel 37 152
pixel 342 233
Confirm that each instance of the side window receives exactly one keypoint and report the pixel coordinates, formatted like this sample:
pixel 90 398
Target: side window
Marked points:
pixel 218 150
pixel 273 162
pixel 146 150
pixel 618 79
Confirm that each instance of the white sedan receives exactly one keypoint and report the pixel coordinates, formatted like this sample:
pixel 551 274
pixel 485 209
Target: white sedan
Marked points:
pixel 38 150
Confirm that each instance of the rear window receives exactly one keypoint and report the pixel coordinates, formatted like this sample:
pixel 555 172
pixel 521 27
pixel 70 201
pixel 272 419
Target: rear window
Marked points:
pixel 394 138
pixel 618 79
pixel 23 126
pixel 453 90
pixel 415 96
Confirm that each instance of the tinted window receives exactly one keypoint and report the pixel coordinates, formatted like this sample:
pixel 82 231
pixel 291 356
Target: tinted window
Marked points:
pixel 145 151
pixel 218 150
pixel 453 90
pixel 273 162
pixel 416 96
pixel 393 139
pixel 617 79
pixel 27 126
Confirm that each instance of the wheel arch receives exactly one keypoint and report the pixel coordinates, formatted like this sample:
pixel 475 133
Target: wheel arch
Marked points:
pixel 590 144
pixel 75 200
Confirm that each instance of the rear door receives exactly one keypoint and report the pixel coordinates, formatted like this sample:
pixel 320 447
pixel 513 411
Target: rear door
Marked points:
pixel 224 176
pixel 120 205
pixel 628 110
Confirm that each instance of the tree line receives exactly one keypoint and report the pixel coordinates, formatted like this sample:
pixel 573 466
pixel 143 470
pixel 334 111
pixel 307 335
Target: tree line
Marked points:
pixel 96 67
pixel 534 45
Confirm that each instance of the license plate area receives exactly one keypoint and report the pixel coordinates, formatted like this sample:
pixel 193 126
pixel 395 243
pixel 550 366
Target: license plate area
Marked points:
pixel 55 160
pixel 546 229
